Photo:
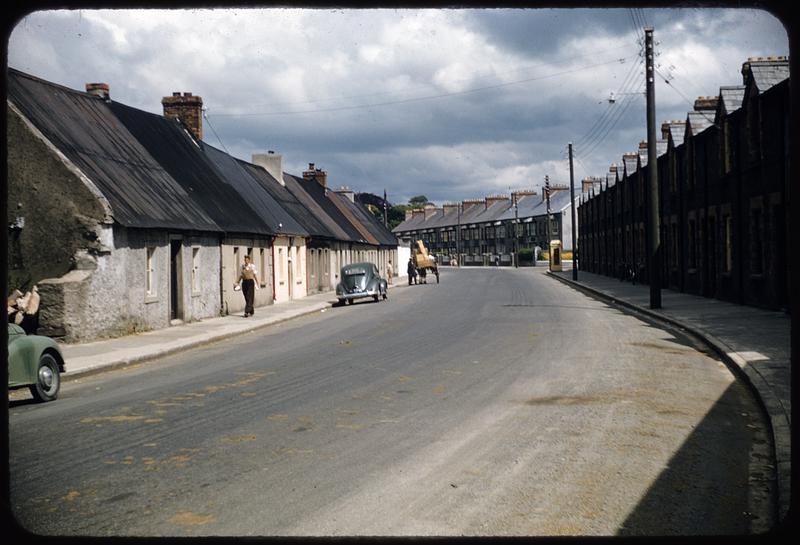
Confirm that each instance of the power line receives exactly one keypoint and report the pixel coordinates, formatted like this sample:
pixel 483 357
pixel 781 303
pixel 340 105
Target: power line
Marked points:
pixel 418 99
pixel 215 132
pixel 477 75
pixel 687 99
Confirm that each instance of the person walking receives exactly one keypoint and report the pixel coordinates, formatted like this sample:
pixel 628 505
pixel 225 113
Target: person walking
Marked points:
pixel 389 273
pixel 412 271
pixel 248 282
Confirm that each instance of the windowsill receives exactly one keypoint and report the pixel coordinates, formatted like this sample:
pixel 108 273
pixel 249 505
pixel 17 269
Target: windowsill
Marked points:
pixel 150 299
pixel 725 274
pixel 691 271
pixel 197 293
pixel 757 276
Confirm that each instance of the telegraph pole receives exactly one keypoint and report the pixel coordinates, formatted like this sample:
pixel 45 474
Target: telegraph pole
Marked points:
pixel 385 211
pixel 572 207
pixel 652 171
pixel 547 196
pixel 514 197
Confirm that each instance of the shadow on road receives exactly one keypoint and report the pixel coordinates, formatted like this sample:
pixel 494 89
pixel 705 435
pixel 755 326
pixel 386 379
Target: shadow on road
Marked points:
pixel 704 488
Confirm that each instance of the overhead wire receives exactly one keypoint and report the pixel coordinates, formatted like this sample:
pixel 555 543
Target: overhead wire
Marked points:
pixel 422 98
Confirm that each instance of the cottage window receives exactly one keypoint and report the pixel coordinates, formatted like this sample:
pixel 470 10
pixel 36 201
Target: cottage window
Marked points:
pixel 280 265
pixel 150 272
pixel 692 245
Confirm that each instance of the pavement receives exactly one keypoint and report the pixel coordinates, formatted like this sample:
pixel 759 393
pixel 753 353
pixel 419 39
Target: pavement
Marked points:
pixel 754 343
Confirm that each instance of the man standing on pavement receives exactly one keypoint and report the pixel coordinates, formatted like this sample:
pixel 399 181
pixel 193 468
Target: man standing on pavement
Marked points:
pixel 412 271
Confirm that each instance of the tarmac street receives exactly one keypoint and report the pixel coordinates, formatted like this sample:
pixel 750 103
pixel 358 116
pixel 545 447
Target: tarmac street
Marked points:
pixel 498 402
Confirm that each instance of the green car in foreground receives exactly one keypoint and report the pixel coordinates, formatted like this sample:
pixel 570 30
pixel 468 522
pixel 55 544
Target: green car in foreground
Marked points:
pixel 360 280
pixel 34 361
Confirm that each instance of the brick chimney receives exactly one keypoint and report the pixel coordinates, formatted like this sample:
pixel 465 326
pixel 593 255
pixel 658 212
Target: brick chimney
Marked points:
pixel 469 203
pixel 417 212
pixel 704 104
pixel 519 195
pixel 491 199
pixel 450 208
pixel 665 130
pixel 271 162
pixel 409 214
pixel 589 183
pixel 188 109
pixel 347 193
pixel 316 174
pixel 429 210
pixel 99 90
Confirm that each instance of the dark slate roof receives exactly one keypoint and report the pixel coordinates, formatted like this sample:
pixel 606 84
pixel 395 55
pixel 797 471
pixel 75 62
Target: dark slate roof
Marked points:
pixel 172 146
pixel 630 164
pixel 677 130
pixel 731 97
pixel 83 127
pixel 373 225
pixel 469 215
pixel 341 202
pixel 493 211
pixel 767 73
pixel 294 186
pixel 411 224
pixel 313 225
pixel 699 121
pixel 235 173
pixel 318 193
pixel 661 149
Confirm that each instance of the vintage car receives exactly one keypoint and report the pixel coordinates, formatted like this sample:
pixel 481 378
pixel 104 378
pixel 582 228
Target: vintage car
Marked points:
pixel 360 280
pixel 34 361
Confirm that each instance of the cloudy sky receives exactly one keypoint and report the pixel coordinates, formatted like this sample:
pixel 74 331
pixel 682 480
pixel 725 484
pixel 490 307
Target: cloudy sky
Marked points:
pixel 446 103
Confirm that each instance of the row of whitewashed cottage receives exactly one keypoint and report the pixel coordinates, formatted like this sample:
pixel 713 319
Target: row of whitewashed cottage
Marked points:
pixel 127 220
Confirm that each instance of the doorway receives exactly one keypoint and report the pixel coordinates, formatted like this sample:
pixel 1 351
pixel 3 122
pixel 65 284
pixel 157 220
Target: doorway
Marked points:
pixel 175 267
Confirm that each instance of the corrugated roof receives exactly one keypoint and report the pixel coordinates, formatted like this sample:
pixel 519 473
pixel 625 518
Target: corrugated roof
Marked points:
pixel 83 127
pixel 370 222
pixel 316 211
pixel 318 193
pixel 341 203
pixel 257 195
pixel 179 154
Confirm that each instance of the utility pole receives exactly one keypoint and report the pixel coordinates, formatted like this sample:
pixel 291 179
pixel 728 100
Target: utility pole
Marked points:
pixel 385 211
pixel 515 196
pixel 572 207
pixel 547 196
pixel 458 236
pixel 654 265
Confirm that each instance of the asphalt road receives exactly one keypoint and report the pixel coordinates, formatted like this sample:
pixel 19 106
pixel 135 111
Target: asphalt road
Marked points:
pixel 499 402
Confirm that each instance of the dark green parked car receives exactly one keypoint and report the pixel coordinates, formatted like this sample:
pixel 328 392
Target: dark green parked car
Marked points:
pixel 360 280
pixel 34 361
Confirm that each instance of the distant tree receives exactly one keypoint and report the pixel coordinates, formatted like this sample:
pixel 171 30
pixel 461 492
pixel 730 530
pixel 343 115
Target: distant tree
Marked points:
pixel 418 201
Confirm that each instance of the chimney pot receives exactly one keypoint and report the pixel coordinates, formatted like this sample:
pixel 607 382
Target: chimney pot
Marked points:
pixel 98 89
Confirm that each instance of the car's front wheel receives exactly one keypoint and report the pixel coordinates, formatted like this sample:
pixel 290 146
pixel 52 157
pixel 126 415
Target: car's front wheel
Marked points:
pixel 48 379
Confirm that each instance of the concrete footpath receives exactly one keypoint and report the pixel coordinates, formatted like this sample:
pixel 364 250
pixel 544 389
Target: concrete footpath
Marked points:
pixel 754 343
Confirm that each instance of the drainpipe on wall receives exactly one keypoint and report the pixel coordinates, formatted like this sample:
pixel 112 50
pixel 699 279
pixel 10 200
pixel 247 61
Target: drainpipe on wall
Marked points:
pixel 273 269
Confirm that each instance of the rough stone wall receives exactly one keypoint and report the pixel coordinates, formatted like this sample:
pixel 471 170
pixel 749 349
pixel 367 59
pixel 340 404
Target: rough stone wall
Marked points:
pixel 51 214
